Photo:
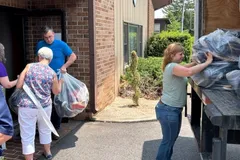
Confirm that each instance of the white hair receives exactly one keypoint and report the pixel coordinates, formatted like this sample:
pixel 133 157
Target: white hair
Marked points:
pixel 45 53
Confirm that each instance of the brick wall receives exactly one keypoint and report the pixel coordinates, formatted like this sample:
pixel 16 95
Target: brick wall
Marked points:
pixel 150 18
pixel 34 33
pixel 76 32
pixel 77 36
pixel 14 3
pixel 105 58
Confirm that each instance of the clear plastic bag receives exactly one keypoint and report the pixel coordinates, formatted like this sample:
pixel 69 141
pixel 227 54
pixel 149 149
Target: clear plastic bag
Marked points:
pixel 233 78
pixel 73 98
pixel 214 75
pixel 14 99
pixel 223 44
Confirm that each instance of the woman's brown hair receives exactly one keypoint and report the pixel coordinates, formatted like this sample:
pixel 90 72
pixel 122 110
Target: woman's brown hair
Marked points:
pixel 169 52
pixel 2 54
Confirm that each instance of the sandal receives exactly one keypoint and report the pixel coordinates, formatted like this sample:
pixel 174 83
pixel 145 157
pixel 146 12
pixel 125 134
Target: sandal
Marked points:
pixel 48 157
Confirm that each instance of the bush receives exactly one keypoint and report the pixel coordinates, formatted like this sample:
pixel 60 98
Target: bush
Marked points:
pixel 150 78
pixel 158 43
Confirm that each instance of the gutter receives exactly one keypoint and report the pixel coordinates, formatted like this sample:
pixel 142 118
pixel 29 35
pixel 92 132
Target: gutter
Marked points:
pixel 92 52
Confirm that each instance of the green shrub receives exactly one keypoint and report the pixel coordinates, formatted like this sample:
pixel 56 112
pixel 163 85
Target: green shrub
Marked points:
pixel 158 43
pixel 150 78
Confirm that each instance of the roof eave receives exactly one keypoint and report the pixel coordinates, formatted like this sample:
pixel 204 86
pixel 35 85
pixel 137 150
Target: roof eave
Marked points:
pixel 157 4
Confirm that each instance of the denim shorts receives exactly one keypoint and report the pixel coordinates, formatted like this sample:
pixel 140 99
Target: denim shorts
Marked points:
pixel 6 122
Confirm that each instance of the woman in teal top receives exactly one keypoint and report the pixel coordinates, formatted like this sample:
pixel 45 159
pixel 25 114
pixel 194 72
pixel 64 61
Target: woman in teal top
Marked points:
pixel 169 108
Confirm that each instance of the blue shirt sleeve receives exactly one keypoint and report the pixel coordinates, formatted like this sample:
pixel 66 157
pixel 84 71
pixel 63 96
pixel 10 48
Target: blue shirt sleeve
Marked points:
pixel 67 51
pixel 3 71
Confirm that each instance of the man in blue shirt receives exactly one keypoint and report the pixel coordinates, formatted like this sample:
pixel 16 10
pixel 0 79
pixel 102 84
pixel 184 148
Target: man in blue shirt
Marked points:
pixel 60 51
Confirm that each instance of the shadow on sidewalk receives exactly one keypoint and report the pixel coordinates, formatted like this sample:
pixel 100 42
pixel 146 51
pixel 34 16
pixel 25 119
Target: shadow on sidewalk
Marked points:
pixel 14 146
pixel 71 140
pixel 185 148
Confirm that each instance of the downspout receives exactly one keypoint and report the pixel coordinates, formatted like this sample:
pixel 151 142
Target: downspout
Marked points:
pixel 201 10
pixel 92 51
pixel 148 19
pixel 198 19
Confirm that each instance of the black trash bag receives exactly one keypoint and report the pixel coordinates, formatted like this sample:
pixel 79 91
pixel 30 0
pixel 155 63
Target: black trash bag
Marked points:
pixel 14 99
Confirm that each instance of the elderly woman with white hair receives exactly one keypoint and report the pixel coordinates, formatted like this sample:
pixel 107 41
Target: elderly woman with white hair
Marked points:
pixel 41 80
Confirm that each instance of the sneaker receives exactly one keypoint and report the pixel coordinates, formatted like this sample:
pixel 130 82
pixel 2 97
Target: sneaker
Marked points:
pixel 54 137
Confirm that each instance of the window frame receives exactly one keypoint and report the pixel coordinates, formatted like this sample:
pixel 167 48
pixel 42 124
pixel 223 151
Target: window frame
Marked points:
pixel 126 25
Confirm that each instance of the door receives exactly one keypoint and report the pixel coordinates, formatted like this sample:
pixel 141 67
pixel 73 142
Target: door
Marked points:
pixel 11 36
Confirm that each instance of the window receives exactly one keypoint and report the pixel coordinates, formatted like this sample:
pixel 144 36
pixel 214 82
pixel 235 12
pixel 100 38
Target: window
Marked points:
pixel 132 41
pixel 157 27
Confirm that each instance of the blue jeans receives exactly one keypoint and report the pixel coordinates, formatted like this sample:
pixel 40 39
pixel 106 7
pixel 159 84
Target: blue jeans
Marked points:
pixel 170 119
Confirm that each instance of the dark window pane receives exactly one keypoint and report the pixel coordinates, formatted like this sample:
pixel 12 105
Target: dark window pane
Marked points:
pixel 132 38
pixel 140 42
pixel 132 41
pixel 125 44
pixel 126 55
pixel 125 33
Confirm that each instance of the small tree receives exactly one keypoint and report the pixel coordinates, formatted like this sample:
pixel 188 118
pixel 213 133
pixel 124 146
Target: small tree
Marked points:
pixel 174 25
pixel 135 80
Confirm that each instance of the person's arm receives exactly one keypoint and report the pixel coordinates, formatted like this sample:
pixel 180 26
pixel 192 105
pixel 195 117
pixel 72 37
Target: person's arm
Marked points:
pixel 4 79
pixel 189 64
pixel 57 85
pixel 6 83
pixel 70 61
pixel 22 77
pixel 182 71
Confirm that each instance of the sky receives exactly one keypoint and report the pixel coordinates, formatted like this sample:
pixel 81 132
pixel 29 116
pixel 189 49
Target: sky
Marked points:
pixel 158 14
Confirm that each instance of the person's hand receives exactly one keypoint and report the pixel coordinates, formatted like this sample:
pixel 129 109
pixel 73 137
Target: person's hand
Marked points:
pixel 61 81
pixel 63 69
pixel 209 58
pixel 194 62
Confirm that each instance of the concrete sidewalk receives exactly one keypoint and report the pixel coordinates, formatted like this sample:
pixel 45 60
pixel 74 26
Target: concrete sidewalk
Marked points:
pixel 14 146
pixel 113 135
pixel 122 110
pixel 119 114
